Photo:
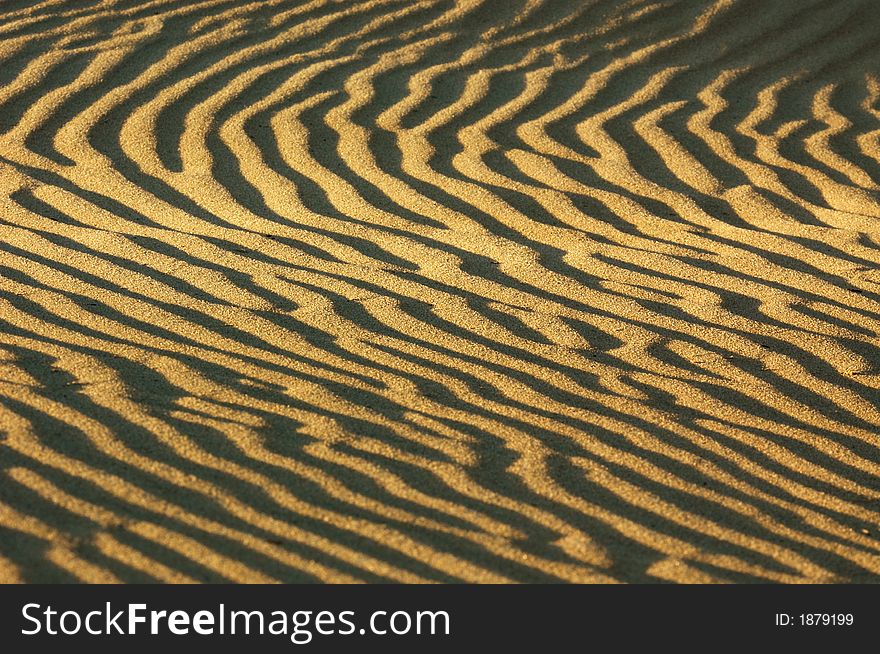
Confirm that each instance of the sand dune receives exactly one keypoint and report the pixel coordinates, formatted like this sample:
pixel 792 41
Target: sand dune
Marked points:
pixel 478 291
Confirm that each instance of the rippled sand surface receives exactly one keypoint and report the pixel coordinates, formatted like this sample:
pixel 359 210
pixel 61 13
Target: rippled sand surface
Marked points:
pixel 477 291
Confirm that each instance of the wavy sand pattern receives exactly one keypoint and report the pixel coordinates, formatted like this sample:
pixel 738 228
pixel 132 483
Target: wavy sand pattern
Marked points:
pixel 439 291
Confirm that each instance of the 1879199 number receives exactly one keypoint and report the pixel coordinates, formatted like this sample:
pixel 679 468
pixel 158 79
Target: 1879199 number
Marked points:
pixel 825 619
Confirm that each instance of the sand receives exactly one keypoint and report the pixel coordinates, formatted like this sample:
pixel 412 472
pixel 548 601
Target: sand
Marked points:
pixel 476 291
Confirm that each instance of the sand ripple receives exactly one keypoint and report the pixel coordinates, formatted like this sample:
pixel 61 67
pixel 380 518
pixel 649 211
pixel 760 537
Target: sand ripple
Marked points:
pixel 439 291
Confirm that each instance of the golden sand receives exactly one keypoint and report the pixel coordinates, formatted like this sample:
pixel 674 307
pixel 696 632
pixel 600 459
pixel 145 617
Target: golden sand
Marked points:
pixel 477 291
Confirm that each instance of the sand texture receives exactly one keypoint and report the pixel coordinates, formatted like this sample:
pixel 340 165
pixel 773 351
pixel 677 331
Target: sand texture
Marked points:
pixel 475 291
